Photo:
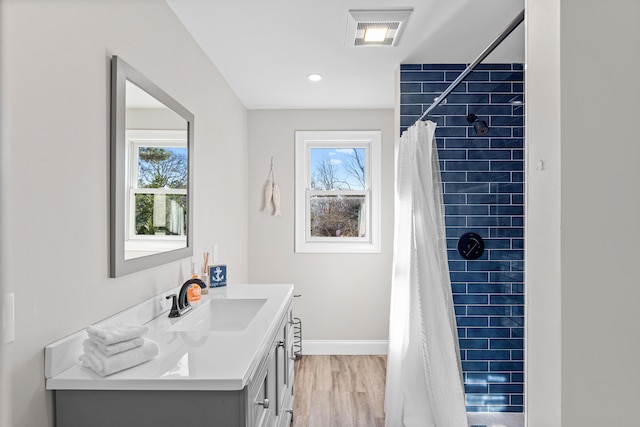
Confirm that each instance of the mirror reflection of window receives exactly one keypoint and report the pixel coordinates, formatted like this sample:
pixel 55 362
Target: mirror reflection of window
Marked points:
pixel 161 190
pixel 157 182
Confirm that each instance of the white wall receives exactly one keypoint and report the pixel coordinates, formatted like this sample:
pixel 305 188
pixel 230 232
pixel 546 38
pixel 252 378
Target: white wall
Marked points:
pixel 583 65
pixel 344 296
pixel 600 205
pixel 542 254
pixel 56 63
pixel 5 376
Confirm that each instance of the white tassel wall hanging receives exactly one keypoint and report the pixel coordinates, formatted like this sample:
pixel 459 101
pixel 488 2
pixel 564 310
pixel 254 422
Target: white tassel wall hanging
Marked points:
pixel 272 193
pixel 268 189
pixel 276 198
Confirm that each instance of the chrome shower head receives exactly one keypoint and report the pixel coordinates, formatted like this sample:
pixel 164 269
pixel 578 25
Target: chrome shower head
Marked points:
pixel 480 126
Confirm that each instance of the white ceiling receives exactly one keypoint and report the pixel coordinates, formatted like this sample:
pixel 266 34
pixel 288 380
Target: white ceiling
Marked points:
pixel 265 49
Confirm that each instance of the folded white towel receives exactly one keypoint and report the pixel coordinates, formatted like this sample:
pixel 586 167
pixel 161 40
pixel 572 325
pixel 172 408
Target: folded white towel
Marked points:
pixel 107 365
pixel 110 350
pixel 115 333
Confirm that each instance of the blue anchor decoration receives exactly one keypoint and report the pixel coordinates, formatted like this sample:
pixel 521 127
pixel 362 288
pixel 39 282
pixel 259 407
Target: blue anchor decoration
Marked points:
pixel 218 276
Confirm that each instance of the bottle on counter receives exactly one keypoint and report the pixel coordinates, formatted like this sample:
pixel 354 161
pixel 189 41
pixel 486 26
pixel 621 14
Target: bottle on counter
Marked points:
pixel 195 291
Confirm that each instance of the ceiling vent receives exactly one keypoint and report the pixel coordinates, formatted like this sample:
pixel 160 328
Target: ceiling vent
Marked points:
pixel 379 27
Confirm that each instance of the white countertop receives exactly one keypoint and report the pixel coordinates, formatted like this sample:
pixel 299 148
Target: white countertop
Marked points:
pixel 194 360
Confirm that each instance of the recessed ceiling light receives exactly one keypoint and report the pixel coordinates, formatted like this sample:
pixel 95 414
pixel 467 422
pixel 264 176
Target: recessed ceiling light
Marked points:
pixel 314 77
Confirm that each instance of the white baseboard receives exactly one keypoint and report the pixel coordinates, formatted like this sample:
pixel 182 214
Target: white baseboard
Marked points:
pixel 326 347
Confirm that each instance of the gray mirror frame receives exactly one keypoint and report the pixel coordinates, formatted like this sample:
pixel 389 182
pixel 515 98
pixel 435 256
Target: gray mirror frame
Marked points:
pixel 119 266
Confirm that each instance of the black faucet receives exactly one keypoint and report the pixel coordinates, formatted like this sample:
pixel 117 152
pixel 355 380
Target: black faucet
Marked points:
pixel 180 303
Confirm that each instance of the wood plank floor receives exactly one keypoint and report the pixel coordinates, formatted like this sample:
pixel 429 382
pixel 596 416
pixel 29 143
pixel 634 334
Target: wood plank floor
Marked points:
pixel 339 391
pixel 348 391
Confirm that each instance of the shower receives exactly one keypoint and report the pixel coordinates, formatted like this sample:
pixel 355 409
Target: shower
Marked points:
pixel 483 193
pixel 480 126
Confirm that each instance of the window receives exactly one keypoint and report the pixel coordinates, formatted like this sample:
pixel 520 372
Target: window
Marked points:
pixel 338 191
pixel 156 215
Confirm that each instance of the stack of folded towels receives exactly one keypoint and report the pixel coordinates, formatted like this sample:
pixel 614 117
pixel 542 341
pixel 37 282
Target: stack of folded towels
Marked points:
pixel 112 348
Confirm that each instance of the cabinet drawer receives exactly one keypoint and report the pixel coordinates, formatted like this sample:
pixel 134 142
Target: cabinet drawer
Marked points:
pixel 259 402
pixel 280 350
pixel 285 419
pixel 287 410
pixel 291 356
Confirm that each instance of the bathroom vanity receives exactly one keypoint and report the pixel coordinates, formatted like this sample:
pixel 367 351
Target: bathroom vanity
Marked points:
pixel 227 363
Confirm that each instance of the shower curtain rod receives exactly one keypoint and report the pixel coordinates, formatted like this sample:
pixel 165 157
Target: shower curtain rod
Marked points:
pixel 512 26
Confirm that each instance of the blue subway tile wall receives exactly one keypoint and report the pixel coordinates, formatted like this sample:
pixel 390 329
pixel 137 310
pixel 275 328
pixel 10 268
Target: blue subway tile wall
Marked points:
pixel 483 183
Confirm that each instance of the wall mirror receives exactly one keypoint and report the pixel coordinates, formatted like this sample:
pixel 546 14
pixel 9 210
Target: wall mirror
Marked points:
pixel 151 174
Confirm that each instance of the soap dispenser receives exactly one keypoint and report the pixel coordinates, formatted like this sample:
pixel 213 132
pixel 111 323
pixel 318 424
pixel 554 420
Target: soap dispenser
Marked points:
pixel 195 290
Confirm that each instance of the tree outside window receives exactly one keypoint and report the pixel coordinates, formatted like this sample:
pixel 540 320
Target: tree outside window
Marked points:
pixel 338 170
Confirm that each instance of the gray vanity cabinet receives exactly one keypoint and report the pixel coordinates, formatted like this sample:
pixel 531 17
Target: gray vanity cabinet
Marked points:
pixel 266 401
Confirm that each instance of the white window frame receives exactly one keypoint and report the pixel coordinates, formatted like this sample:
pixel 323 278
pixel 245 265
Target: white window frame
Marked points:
pixel 371 141
pixel 136 138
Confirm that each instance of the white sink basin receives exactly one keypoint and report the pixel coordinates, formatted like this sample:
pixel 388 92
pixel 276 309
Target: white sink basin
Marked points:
pixel 218 315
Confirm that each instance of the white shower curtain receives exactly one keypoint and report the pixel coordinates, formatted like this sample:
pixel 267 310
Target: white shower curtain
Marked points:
pixel 424 379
